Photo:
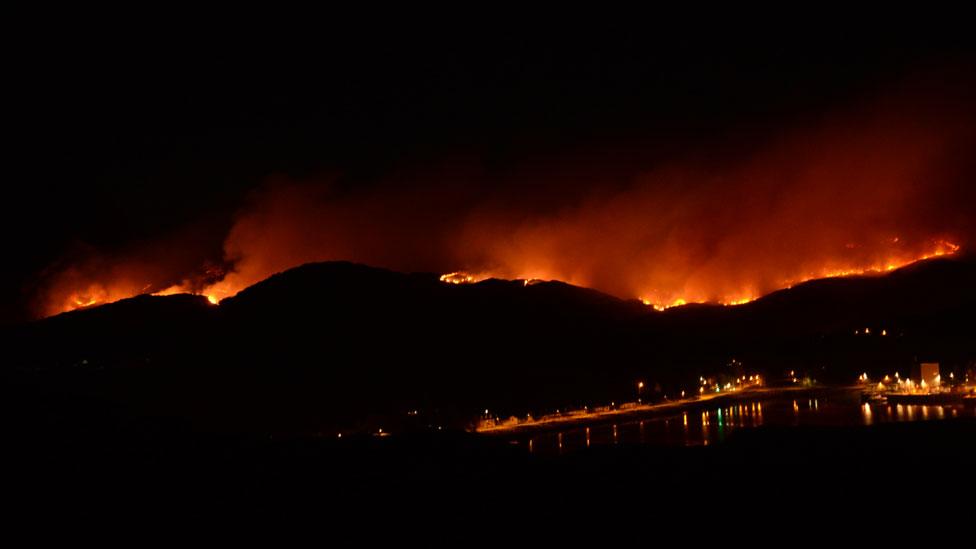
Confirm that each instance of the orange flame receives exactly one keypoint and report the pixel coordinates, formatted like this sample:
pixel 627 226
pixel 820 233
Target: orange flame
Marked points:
pixel 98 294
pixel 867 193
pixel 940 248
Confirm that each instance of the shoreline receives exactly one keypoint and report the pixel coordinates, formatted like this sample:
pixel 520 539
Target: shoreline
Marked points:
pixel 560 421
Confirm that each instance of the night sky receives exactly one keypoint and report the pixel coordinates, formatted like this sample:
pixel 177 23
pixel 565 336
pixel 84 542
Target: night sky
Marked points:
pixel 146 144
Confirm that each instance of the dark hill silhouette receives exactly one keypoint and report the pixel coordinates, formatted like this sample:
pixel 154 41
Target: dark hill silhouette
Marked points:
pixel 337 346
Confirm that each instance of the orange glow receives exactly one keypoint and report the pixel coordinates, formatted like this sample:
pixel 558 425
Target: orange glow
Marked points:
pixel 460 277
pixel 173 290
pixel 850 195
pixel 209 293
pixel 81 302
pixel 92 295
pixel 939 248
pixel 97 294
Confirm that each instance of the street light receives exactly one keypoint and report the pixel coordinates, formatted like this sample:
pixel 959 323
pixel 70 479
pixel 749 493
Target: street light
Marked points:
pixel 640 388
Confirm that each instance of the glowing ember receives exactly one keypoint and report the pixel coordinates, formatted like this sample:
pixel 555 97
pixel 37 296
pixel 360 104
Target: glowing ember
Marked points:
pixel 81 302
pixel 460 277
pixel 182 289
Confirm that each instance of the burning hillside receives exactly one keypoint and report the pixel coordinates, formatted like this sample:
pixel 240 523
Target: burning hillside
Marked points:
pixel 866 192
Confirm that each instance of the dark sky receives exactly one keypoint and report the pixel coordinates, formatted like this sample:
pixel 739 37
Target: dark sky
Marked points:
pixel 152 132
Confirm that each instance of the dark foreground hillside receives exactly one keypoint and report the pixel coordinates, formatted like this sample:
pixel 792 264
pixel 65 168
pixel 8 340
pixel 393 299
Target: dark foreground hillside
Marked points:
pixel 169 410
pixel 334 347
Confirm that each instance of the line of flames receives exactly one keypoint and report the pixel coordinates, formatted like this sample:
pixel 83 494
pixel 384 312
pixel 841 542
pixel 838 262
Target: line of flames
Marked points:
pixel 216 292
pixel 942 248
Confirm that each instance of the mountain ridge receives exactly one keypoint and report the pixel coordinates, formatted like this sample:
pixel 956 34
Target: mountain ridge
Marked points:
pixel 338 343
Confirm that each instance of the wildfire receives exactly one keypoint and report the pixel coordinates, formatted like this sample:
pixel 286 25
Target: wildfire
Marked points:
pixel 82 302
pixel 940 248
pixel 182 289
pixel 98 294
pixel 212 298
pixel 93 295
pixel 460 277
pixel 854 195
pixel 662 301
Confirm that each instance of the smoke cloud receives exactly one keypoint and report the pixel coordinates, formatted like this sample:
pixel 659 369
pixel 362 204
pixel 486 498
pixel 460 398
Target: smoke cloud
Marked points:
pixel 872 193
pixel 871 188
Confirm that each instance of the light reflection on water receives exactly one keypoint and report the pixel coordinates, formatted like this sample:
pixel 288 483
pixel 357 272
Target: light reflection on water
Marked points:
pixel 714 425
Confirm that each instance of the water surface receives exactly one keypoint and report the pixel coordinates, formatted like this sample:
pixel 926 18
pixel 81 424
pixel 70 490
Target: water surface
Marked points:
pixel 707 425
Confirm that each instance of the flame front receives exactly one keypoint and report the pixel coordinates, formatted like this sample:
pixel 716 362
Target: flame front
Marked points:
pixel 459 277
pixel 98 294
pixel 653 298
pixel 939 248
pixel 857 195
